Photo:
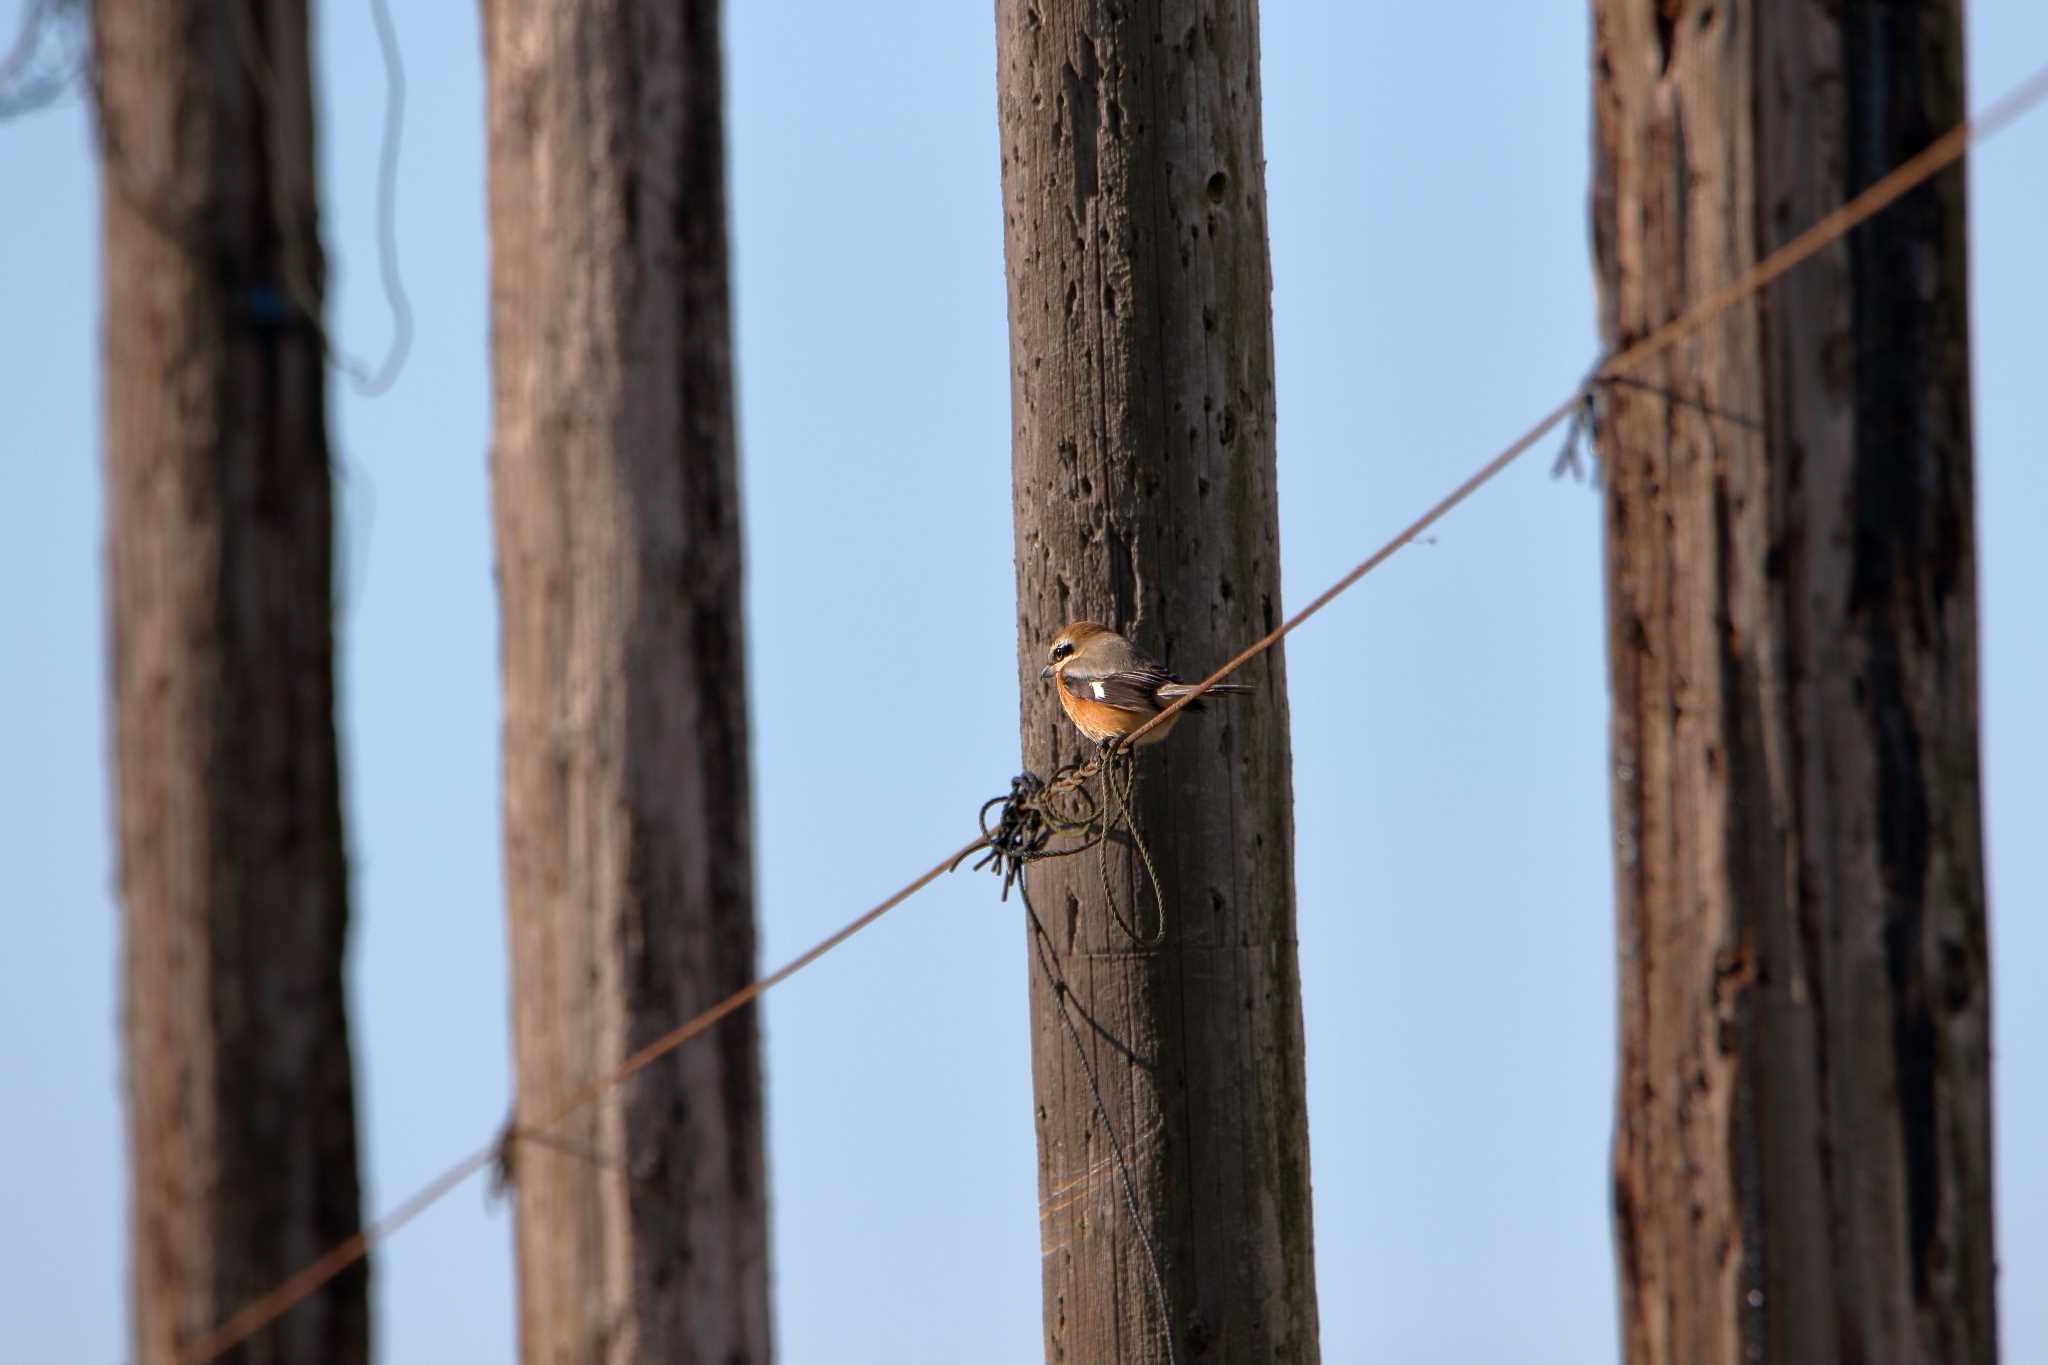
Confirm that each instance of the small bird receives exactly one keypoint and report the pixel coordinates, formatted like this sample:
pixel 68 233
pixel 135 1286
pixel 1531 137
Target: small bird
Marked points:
pixel 1109 689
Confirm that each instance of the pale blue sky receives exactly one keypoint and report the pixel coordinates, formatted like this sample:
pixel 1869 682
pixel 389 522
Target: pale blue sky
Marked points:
pixel 1427 175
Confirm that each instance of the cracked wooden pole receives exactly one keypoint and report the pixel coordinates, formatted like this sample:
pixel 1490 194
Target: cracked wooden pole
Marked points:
pixel 1134 210
pixel 1802 1152
pixel 220 532
pixel 642 1228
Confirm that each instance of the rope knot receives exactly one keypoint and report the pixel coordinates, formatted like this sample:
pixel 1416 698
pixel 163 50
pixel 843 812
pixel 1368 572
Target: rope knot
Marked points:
pixel 1035 811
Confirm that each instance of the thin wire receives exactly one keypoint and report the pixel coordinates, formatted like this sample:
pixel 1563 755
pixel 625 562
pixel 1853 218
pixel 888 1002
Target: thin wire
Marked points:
pixel 27 38
pixel 1370 562
pixel 1057 984
pixel 261 1312
pixel 590 1156
pixel 263 75
pixel 1118 814
pixel 676 1037
pixel 27 85
pixel 1938 155
pixel 387 207
pixel 1906 176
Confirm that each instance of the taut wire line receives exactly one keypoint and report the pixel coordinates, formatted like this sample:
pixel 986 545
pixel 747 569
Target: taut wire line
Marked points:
pixel 260 1313
pixel 1908 175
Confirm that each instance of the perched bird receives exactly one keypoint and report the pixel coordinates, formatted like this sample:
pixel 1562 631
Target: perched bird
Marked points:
pixel 1109 689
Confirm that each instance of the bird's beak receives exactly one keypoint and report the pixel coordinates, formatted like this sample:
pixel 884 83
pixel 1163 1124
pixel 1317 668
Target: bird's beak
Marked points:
pixel 1045 673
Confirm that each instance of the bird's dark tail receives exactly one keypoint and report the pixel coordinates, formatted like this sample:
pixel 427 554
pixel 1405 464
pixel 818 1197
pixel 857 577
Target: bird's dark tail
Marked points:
pixel 1172 692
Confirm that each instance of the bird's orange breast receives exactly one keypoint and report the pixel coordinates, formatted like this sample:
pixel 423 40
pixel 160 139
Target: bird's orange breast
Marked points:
pixel 1100 721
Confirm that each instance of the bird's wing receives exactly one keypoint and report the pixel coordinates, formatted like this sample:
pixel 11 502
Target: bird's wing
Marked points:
pixel 1127 689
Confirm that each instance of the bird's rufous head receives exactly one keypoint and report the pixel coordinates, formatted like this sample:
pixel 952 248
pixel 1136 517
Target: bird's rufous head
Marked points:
pixel 1070 639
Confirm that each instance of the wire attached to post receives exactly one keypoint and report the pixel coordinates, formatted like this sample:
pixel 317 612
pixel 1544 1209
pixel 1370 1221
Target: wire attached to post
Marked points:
pixel 1030 819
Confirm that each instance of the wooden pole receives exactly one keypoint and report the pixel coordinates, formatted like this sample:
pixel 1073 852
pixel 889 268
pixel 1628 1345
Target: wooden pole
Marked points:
pixel 1802 1156
pixel 1134 216
pixel 642 1223
pixel 234 884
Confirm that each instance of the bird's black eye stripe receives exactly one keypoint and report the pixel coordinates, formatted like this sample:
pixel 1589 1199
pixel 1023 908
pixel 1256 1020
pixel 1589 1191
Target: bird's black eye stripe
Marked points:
pixel 1062 650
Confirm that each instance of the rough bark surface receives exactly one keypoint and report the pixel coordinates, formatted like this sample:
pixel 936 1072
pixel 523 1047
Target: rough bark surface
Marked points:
pixel 233 875
pixel 1142 396
pixel 1802 1153
pixel 627 798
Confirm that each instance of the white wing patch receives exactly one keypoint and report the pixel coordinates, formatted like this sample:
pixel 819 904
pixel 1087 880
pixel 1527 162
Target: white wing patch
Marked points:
pixel 1099 692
